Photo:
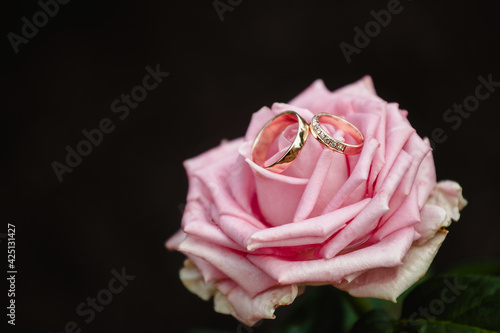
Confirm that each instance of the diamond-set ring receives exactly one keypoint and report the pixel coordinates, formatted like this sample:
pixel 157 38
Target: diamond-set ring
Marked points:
pixel 329 141
pixel 274 127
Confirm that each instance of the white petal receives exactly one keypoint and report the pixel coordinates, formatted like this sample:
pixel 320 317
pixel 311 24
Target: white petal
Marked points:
pixel 193 280
pixel 388 283
pixel 251 310
pixel 448 195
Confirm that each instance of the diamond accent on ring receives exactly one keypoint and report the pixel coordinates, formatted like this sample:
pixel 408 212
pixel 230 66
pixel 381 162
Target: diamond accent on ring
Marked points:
pixel 326 138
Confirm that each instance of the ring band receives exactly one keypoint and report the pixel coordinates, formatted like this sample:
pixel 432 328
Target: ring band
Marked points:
pixel 329 141
pixel 271 130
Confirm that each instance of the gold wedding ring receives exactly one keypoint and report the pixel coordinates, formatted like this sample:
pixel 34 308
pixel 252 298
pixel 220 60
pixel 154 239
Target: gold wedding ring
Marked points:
pixel 274 127
pixel 271 130
pixel 329 141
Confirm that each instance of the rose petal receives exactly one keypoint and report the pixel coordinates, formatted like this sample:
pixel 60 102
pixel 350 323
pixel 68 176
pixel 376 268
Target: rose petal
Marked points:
pixel 258 120
pixel 418 149
pixel 249 310
pixel 396 136
pixel 357 178
pixel 448 195
pixel 368 218
pixel 175 240
pixel 221 305
pixel 425 181
pixel 390 282
pixel 406 215
pixel 277 194
pixel 234 265
pixel 224 151
pixel 238 228
pixel 192 279
pixel 208 272
pixel 387 253
pixel 195 223
pixel 374 125
pixel 433 218
pixel 282 107
pixel 241 183
pixel 319 228
pixel 318 179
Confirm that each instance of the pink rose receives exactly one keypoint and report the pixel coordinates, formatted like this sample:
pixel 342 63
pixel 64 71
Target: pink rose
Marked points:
pixel 369 224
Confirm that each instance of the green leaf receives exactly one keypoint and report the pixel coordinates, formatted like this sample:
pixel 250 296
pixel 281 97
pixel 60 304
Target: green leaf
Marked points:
pixel 375 321
pixel 443 304
pixel 476 267
pixel 452 303
pixel 320 310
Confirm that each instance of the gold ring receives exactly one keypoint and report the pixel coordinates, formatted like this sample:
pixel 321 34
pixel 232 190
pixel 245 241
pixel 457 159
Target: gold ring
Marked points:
pixel 329 141
pixel 271 130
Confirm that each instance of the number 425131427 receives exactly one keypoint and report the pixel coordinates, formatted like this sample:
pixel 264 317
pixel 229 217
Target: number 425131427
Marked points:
pixel 11 246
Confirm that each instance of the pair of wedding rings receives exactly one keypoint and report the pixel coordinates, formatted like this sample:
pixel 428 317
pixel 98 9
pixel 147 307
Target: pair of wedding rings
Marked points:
pixel 274 127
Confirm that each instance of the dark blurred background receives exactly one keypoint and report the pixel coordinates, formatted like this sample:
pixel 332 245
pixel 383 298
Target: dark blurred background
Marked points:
pixel 116 209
